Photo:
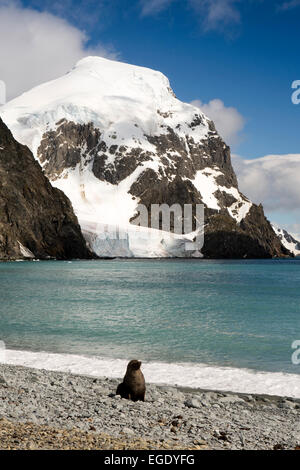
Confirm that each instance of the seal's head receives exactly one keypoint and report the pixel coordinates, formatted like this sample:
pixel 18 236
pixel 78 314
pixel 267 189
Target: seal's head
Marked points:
pixel 134 365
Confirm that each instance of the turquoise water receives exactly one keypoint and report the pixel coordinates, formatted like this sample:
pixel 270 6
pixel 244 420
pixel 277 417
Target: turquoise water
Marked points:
pixel 243 314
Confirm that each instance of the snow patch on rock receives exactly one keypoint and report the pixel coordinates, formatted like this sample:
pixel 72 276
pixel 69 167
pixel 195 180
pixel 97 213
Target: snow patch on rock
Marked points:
pixel 287 240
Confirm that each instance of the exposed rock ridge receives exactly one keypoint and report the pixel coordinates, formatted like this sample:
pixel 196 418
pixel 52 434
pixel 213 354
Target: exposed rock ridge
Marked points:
pixel 36 220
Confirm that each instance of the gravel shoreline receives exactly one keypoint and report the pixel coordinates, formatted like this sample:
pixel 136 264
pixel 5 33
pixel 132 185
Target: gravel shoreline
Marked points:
pixel 45 409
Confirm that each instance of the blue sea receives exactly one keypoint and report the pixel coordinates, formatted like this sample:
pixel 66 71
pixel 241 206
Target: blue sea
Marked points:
pixel 198 323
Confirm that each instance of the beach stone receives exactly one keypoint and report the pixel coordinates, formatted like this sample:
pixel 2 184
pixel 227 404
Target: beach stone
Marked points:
pixel 160 400
pixel 283 405
pixel 177 395
pixel 231 399
pixel 205 403
pixel 128 431
pixel 278 447
pixel 249 398
pixel 153 394
pixel 210 396
pixel 200 442
pixel 286 404
pixel 193 403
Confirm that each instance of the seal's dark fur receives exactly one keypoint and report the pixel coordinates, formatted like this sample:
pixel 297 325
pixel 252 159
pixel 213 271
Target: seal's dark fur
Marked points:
pixel 133 386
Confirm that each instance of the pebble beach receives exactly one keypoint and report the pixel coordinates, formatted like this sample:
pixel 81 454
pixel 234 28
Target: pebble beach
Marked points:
pixel 41 409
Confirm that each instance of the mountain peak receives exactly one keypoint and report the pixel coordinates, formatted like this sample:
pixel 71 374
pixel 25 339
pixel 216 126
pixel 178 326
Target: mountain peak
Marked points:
pixel 123 99
pixel 112 136
pixel 112 68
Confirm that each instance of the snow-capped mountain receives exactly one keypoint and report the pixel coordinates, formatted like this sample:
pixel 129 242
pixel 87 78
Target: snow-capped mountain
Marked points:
pixel 287 240
pixel 112 135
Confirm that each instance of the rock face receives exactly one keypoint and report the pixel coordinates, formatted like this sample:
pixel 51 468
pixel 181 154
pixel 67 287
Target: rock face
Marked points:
pixel 287 240
pixel 112 136
pixel 36 220
pixel 251 238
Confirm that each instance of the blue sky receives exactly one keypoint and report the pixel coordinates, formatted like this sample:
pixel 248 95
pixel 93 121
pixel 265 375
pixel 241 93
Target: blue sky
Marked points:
pixel 248 58
pixel 243 53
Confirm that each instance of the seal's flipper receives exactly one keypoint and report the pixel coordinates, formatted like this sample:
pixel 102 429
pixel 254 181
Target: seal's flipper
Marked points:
pixel 123 391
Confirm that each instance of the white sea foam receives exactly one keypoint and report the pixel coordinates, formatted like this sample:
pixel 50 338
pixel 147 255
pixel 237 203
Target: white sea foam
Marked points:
pixel 180 374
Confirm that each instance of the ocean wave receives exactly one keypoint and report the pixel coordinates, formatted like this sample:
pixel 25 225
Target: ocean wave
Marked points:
pixel 175 374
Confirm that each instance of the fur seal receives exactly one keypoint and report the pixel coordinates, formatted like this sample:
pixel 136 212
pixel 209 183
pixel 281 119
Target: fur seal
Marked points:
pixel 133 386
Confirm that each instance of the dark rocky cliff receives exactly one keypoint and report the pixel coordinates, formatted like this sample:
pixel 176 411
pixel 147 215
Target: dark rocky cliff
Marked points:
pixel 36 220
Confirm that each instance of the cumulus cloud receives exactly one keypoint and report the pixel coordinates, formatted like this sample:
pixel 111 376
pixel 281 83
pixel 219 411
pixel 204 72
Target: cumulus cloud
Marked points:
pixel 273 180
pixel 228 121
pixel 294 230
pixel 151 7
pixel 82 13
pixel 37 46
pixel 214 14
pixel 217 13
pixel 289 5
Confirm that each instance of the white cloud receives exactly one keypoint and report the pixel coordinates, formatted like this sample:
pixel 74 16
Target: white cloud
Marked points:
pixel 151 7
pixel 37 46
pixel 83 13
pixel 294 230
pixel 214 14
pixel 273 180
pixel 289 5
pixel 217 13
pixel 228 121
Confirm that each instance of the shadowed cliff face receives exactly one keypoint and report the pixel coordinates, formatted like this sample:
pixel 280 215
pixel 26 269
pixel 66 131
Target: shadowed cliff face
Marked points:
pixel 36 220
pixel 252 238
